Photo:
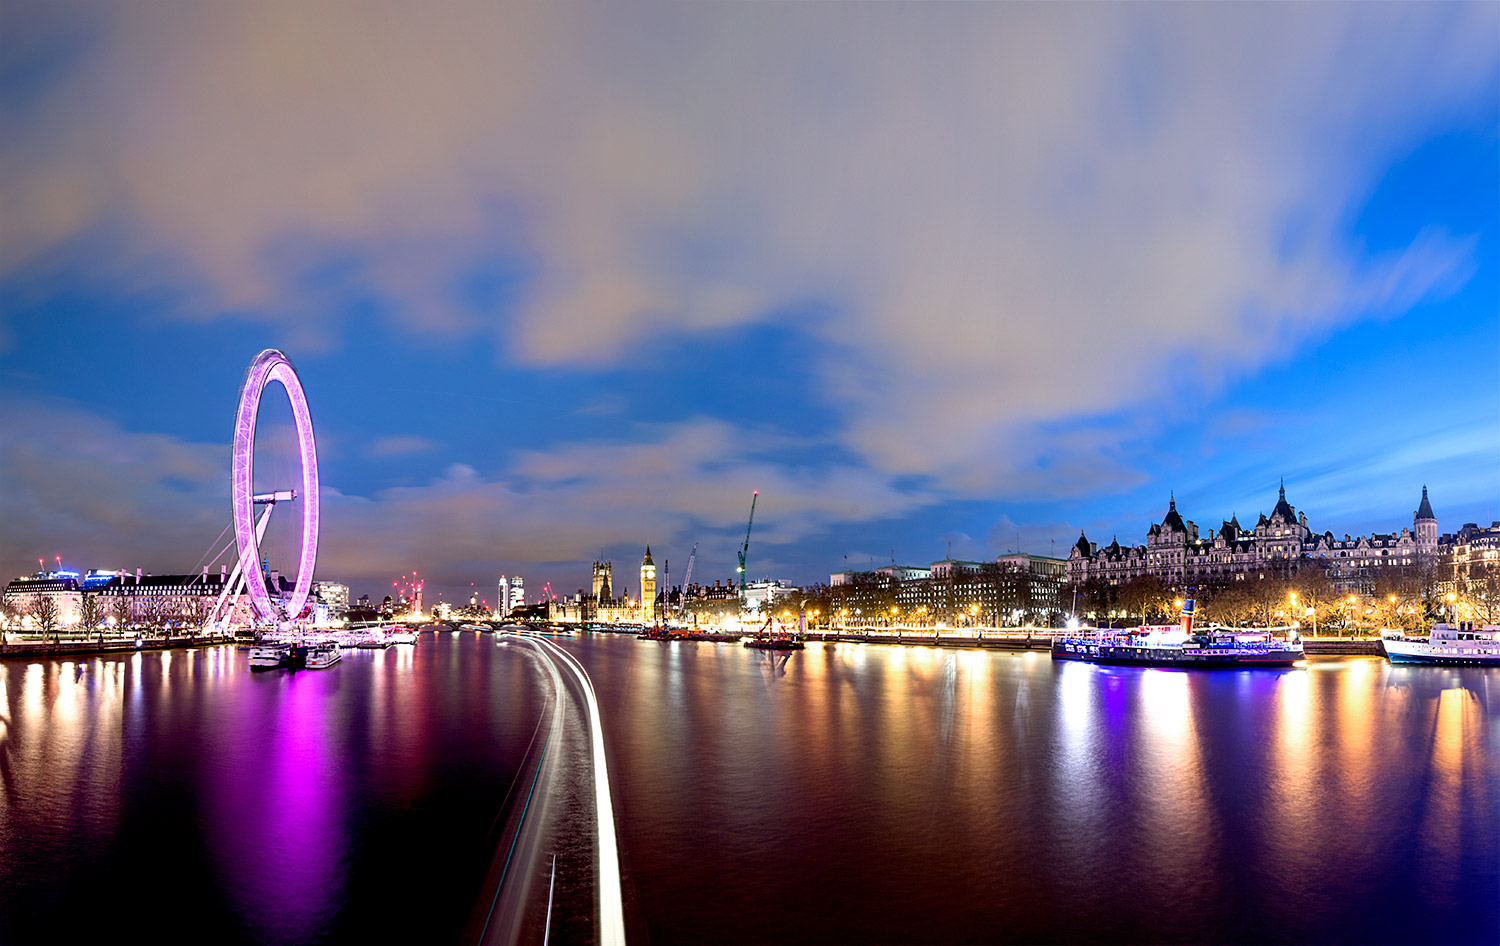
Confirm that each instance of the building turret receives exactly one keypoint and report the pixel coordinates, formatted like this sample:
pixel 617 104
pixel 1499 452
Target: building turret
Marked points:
pixel 1424 527
pixel 1283 510
pixel 1173 520
pixel 1082 548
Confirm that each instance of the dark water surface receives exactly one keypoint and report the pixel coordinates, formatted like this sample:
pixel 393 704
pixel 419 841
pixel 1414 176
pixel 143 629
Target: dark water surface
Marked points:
pixel 178 797
pixel 858 793
pixel 847 794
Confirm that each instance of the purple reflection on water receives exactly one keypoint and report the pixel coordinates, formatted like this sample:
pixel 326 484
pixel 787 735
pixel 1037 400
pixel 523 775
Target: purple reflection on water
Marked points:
pixel 279 836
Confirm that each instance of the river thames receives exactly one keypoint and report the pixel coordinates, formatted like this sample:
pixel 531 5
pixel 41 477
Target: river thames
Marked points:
pixel 846 793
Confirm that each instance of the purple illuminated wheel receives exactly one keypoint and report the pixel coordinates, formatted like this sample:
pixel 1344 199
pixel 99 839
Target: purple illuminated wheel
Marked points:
pixel 271 365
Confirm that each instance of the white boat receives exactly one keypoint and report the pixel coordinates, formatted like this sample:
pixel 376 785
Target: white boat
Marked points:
pixel 321 656
pixel 1447 644
pixel 270 656
pixel 402 637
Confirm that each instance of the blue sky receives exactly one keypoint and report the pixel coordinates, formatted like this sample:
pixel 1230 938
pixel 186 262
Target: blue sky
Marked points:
pixel 560 279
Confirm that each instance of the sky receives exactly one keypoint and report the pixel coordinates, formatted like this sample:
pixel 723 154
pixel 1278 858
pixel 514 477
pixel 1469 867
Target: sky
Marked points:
pixel 561 280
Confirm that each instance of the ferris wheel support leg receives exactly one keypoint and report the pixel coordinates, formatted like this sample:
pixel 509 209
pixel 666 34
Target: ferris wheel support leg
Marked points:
pixel 237 577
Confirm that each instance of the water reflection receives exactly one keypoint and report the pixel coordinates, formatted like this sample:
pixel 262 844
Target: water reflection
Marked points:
pixel 267 807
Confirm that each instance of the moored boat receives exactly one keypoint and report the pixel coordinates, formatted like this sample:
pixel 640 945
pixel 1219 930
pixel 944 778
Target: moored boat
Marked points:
pixel 774 643
pixel 270 656
pixel 1457 644
pixel 321 656
pixel 1172 645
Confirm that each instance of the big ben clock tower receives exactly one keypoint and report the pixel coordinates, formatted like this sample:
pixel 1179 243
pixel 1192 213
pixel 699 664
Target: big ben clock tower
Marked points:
pixel 648 589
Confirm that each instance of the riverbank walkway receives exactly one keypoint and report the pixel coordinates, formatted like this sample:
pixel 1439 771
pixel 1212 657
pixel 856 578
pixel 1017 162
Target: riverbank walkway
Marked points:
pixel 33 646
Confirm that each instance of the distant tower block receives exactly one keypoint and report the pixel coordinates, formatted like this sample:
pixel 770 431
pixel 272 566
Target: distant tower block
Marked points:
pixel 648 589
pixel 603 583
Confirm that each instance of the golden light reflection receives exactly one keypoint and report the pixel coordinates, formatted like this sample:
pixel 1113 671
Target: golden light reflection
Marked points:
pixel 1357 753
pixel 1184 825
pixel 1458 739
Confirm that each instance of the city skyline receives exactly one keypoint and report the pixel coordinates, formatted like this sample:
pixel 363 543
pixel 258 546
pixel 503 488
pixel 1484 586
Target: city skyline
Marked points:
pixel 1134 265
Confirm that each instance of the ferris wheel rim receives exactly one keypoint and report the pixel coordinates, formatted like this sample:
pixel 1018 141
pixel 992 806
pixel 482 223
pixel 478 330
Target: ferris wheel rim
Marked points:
pixel 271 365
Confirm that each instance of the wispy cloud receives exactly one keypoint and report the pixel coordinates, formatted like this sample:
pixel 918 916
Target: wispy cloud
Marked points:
pixel 1013 215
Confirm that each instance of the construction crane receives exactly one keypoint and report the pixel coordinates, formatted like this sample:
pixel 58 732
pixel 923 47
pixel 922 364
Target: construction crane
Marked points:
pixel 744 549
pixel 686 580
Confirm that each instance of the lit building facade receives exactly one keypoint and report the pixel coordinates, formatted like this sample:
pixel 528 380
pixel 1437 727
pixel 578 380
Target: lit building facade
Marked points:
pixel 60 592
pixel 335 595
pixel 1280 544
pixel 1013 590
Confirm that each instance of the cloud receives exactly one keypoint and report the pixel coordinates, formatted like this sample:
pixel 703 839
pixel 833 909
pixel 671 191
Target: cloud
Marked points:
pixel 101 496
pixel 399 446
pixel 85 488
pixel 1013 216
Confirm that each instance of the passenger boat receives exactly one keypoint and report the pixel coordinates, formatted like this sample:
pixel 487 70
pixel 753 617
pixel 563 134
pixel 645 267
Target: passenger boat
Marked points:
pixel 402 637
pixel 270 656
pixel 1460 644
pixel 473 627
pixel 324 655
pixel 1172 645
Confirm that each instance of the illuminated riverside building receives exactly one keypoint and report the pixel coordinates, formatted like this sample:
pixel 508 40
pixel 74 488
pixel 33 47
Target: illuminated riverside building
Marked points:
pixel 333 594
pixel 758 593
pixel 138 598
pixel 1011 590
pixel 1280 544
pixel 63 588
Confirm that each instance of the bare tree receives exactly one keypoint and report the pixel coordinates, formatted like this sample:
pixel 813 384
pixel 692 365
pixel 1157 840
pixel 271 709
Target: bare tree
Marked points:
pixel 196 609
pixel 1317 597
pixel 1233 603
pixel 91 614
pixel 124 611
pixel 1480 591
pixel 45 612
pixel 1144 596
pixel 153 610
